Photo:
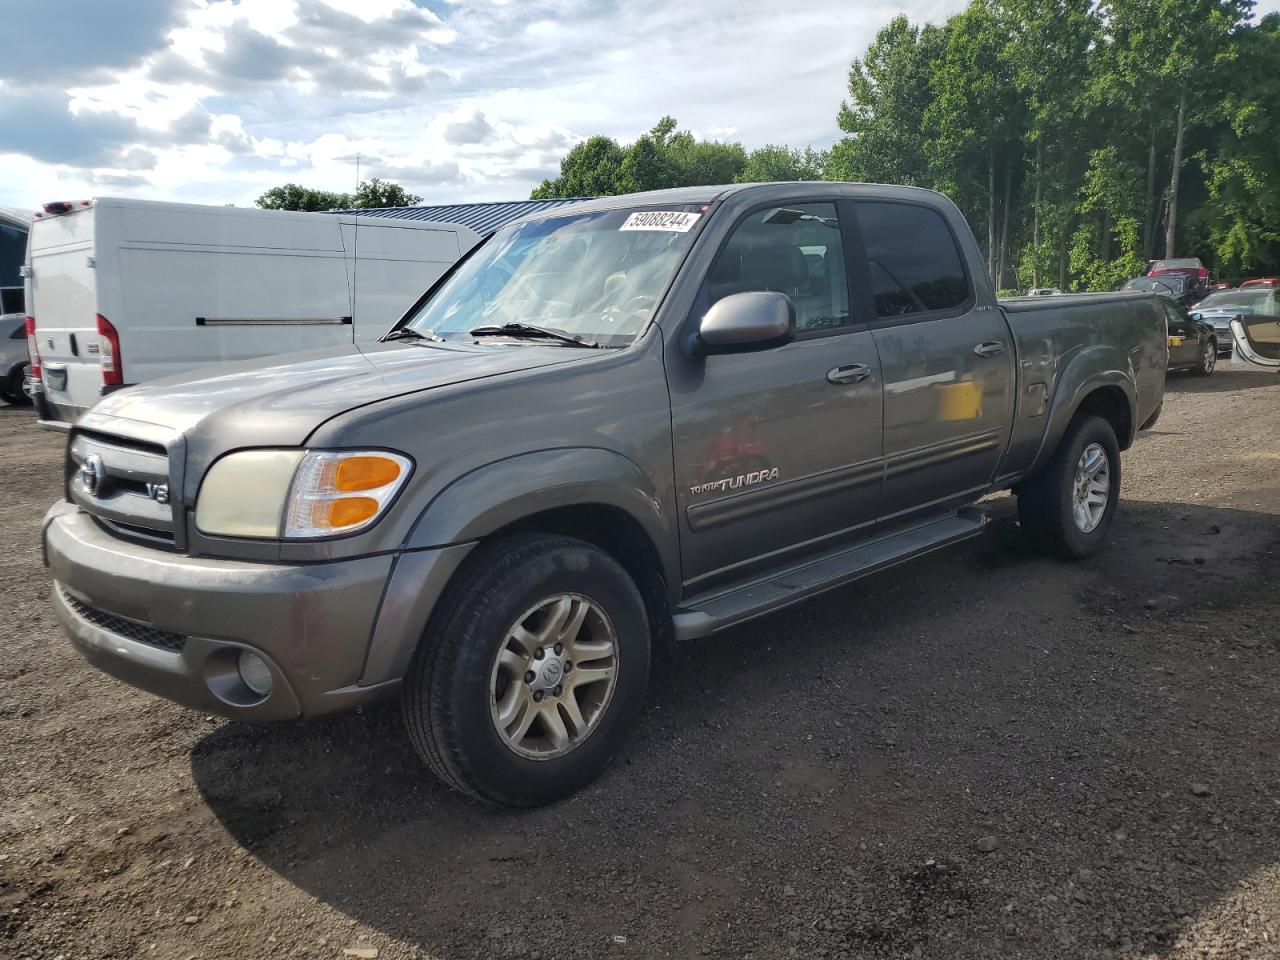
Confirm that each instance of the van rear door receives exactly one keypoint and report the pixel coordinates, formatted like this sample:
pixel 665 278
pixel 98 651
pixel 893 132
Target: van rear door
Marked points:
pixel 64 303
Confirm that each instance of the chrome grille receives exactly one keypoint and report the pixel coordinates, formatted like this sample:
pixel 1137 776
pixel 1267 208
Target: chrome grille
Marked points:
pixel 130 489
pixel 124 627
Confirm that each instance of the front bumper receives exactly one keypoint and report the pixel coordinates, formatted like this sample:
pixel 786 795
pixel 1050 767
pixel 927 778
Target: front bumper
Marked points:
pixel 174 625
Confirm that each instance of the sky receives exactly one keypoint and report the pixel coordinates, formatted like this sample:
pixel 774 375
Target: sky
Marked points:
pixel 215 101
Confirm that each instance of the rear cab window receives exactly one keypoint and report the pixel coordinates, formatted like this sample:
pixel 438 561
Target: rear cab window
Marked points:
pixel 914 261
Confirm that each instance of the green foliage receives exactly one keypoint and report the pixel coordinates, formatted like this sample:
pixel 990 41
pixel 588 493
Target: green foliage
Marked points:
pixel 663 157
pixel 293 196
pixel 370 194
pixel 884 116
pixel 382 193
pixel 591 169
pixel 776 163
pixel 1079 137
pixel 1243 211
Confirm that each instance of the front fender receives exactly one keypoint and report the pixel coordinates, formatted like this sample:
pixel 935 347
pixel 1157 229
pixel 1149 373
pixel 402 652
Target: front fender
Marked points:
pixel 500 493
pixel 1097 366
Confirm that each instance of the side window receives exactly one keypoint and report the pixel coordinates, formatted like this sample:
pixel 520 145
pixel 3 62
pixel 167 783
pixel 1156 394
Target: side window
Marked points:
pixel 1174 313
pixel 794 250
pixel 913 258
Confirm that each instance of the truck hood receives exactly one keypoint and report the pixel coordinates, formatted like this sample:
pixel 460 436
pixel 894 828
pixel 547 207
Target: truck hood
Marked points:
pixel 282 400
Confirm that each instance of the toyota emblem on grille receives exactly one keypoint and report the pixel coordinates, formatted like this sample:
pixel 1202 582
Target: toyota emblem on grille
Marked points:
pixel 91 473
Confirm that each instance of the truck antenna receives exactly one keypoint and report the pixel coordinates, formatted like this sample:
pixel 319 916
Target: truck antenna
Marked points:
pixel 355 252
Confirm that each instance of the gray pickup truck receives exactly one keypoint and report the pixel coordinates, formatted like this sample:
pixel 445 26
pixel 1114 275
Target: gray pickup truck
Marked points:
pixel 643 418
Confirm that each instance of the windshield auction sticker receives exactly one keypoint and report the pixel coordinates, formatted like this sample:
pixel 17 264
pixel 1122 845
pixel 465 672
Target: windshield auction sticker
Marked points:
pixel 672 221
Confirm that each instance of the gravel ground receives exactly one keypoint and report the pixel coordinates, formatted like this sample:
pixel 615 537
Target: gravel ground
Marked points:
pixel 983 754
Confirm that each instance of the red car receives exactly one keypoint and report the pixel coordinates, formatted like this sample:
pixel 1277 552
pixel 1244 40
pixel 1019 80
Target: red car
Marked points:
pixel 1188 266
pixel 1272 282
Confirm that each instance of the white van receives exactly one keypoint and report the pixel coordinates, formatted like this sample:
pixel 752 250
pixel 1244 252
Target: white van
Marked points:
pixel 125 291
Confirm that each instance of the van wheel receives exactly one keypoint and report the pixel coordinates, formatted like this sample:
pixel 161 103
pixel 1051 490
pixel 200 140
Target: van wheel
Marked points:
pixel 532 671
pixel 1068 507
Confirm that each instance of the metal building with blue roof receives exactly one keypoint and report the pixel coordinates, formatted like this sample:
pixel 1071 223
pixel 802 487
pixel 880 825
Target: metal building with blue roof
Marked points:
pixel 483 218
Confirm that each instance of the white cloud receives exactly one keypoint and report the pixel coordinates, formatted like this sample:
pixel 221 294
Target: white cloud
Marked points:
pixel 217 100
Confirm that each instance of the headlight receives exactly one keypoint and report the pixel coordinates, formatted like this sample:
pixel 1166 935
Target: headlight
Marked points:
pixel 298 494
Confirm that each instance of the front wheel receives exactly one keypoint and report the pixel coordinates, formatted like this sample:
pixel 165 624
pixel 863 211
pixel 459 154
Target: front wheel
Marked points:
pixel 532 672
pixel 1208 359
pixel 1067 508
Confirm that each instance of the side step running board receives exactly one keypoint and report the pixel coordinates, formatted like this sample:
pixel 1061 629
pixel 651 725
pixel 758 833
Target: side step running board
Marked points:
pixel 706 615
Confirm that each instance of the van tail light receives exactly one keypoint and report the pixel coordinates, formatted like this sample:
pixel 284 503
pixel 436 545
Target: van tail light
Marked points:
pixel 112 370
pixel 32 350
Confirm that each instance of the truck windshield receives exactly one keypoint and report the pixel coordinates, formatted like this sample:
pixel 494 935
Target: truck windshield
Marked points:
pixel 595 276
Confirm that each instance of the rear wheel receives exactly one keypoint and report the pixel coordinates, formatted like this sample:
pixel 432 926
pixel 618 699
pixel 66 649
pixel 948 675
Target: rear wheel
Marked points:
pixel 17 389
pixel 532 672
pixel 1068 507
pixel 1208 359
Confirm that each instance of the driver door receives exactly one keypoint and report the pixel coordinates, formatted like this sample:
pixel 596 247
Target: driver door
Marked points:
pixel 778 452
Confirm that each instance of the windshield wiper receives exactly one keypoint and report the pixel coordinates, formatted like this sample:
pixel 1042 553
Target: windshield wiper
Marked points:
pixel 529 331
pixel 408 333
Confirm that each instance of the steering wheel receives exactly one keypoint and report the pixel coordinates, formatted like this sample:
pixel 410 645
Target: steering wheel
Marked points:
pixel 637 303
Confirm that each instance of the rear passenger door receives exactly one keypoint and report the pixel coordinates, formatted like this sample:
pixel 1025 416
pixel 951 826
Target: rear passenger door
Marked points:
pixel 947 363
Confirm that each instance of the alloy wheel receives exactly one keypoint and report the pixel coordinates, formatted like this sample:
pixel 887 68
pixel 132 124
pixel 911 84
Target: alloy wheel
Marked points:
pixel 553 676
pixel 1092 488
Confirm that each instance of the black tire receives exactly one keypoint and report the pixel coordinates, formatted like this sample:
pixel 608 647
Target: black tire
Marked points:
pixel 13 391
pixel 1208 360
pixel 447 695
pixel 1046 501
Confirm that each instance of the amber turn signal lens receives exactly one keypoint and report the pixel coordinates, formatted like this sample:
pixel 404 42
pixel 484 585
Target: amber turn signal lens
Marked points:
pixel 350 510
pixel 365 473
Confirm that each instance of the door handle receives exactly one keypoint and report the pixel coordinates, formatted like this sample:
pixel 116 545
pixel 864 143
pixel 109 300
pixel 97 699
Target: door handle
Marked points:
pixel 853 373
pixel 992 348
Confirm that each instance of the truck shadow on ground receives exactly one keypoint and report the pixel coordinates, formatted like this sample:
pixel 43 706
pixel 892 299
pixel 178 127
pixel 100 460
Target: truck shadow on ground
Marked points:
pixel 819 779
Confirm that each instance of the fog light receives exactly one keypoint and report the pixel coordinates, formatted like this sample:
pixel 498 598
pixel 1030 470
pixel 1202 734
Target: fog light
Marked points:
pixel 254 672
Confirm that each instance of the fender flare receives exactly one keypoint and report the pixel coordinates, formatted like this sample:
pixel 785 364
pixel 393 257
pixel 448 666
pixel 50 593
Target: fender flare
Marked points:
pixel 1092 368
pixel 502 492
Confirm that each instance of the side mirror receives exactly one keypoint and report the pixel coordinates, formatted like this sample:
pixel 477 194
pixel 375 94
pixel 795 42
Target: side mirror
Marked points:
pixel 1197 316
pixel 745 322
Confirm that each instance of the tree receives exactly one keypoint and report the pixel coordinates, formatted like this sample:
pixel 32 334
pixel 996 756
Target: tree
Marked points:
pixel 663 157
pixel 370 194
pixel 382 193
pixel 1049 51
pixel 974 120
pixel 701 162
pixel 889 93
pixel 772 163
pixel 293 196
pixel 645 167
pixel 1197 35
pixel 590 169
pixel 1243 211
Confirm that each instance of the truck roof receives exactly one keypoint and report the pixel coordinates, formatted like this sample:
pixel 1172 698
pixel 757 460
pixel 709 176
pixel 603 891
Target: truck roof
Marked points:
pixel 711 193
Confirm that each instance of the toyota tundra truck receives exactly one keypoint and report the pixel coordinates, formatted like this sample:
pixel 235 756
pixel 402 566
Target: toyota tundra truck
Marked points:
pixel 650 418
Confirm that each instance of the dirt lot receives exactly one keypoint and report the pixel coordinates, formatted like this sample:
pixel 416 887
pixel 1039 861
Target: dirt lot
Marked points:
pixel 828 782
